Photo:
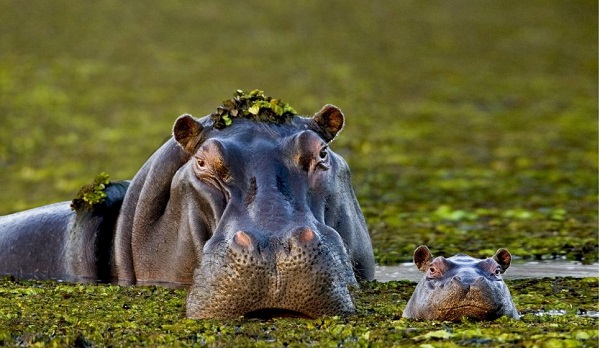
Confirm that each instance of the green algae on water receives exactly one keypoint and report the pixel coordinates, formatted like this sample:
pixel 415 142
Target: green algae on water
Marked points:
pixel 34 313
pixel 252 105
pixel 91 194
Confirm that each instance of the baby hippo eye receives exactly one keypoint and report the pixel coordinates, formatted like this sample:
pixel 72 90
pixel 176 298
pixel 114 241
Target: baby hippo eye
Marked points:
pixel 201 163
pixel 323 154
pixel 497 271
pixel 433 272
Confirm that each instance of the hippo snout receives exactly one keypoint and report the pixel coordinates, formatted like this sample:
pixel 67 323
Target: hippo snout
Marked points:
pixel 300 273
pixel 469 283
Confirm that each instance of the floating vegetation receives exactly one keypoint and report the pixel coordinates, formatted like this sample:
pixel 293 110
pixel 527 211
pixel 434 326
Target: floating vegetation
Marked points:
pixel 91 194
pixel 252 105
pixel 34 313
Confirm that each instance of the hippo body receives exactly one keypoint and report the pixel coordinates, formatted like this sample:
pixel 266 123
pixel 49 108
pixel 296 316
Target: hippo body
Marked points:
pixel 43 248
pixel 461 287
pixel 258 218
pixel 56 242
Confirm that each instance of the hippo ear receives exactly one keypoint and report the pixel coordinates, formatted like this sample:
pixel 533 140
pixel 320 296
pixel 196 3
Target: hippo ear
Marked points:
pixel 503 258
pixel 187 132
pixel 422 258
pixel 329 122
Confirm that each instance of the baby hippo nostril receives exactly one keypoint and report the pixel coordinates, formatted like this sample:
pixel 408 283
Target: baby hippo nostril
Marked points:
pixel 460 282
pixel 479 282
pixel 242 239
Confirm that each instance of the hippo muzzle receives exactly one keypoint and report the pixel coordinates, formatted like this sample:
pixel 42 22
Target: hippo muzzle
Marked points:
pixel 305 273
pixel 467 296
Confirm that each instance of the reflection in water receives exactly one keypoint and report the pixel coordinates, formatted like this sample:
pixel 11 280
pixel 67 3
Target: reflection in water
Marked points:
pixel 555 312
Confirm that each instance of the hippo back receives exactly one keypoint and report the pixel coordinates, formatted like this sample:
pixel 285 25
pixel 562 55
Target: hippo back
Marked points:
pixel 32 242
pixel 58 242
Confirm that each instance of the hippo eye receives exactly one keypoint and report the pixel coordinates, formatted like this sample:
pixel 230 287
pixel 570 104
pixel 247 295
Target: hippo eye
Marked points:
pixel 323 159
pixel 433 272
pixel 497 271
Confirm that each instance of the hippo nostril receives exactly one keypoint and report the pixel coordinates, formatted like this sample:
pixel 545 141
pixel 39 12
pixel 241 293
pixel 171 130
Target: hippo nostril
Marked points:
pixel 306 235
pixel 461 283
pixel 480 281
pixel 242 239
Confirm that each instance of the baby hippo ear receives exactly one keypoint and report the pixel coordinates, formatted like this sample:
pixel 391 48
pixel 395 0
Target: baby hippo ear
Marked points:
pixel 187 132
pixel 329 122
pixel 503 258
pixel 422 258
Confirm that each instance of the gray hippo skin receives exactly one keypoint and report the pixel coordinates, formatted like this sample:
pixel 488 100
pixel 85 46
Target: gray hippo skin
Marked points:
pixel 461 287
pixel 259 218
pixel 55 242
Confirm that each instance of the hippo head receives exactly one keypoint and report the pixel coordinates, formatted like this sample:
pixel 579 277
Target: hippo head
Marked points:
pixel 461 287
pixel 259 217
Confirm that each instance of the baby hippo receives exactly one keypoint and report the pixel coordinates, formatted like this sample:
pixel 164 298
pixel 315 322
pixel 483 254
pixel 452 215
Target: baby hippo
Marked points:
pixel 461 286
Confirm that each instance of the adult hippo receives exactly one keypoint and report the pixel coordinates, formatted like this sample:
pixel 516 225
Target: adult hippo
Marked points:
pixel 461 287
pixel 248 205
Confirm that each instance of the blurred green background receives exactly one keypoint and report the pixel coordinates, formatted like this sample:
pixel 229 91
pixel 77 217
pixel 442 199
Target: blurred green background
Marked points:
pixel 470 125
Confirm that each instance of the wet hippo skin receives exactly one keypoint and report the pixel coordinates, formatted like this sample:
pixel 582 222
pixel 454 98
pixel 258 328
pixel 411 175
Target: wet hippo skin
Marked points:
pixel 257 218
pixel 461 287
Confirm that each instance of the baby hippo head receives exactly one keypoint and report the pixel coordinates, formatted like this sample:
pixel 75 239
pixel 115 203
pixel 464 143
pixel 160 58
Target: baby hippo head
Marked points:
pixel 461 287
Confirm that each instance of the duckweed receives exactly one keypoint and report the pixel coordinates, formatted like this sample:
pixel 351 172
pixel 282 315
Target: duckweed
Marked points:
pixel 91 194
pixel 34 313
pixel 252 105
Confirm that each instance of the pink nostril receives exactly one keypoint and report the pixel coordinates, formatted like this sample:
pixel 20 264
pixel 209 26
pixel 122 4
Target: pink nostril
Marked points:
pixel 242 239
pixel 306 235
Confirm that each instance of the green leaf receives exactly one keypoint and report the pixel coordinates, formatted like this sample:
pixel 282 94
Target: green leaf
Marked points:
pixel 91 194
pixel 254 109
pixel 227 120
pixel 438 334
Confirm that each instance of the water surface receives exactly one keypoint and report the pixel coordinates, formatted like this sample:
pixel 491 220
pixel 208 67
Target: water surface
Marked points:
pixel 538 269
